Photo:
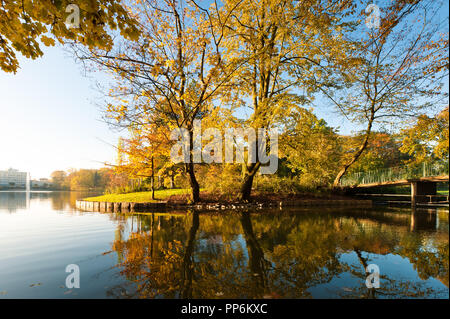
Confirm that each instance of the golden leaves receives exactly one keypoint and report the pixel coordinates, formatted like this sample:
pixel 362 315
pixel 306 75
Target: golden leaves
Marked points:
pixel 47 41
pixel 22 23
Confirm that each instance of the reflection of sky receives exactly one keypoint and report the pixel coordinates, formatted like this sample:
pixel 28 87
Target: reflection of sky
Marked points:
pixel 37 244
pixel 393 266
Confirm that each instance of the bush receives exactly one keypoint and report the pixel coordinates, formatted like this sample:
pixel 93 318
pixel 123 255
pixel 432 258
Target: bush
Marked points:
pixel 282 185
pixel 127 189
pixel 222 180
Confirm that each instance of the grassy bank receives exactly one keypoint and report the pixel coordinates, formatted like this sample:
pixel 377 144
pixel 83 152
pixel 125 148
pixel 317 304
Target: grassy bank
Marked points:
pixel 183 196
pixel 140 197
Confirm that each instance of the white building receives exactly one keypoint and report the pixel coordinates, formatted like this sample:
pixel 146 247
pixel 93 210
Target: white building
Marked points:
pixel 13 178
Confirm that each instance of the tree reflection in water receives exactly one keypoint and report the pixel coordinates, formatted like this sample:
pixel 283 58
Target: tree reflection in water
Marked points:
pixel 276 255
pixel 256 261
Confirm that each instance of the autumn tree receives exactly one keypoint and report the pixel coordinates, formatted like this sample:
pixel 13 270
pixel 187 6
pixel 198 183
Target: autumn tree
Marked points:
pixel 172 73
pixel 146 145
pixel 402 65
pixel 428 139
pixel 82 179
pixel 311 147
pixel 26 24
pixel 58 178
pixel 281 44
pixel 382 151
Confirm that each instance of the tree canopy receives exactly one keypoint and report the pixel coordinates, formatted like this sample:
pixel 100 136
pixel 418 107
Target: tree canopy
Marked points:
pixel 26 25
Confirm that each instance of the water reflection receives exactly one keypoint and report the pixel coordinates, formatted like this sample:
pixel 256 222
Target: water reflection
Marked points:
pixel 284 255
pixel 423 220
pixel 298 253
pixel 12 201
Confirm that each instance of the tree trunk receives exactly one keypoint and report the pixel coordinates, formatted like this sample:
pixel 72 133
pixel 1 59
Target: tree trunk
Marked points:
pixel 188 267
pixel 371 294
pixel 191 171
pixel 355 156
pixel 193 182
pixel 172 181
pixel 257 263
pixel 246 187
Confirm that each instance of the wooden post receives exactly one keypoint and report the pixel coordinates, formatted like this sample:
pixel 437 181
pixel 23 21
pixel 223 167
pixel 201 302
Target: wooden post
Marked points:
pixel 419 189
pixel 413 193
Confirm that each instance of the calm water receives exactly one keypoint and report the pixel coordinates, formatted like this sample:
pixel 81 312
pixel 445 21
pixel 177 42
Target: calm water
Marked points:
pixel 301 253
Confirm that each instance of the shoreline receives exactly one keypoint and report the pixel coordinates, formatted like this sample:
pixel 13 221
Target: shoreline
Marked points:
pixel 122 207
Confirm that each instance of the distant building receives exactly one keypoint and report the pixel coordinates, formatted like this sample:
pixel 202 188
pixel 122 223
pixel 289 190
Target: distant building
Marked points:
pixel 13 178
pixel 41 183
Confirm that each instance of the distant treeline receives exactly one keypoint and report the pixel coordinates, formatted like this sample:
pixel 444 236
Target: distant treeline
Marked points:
pixel 85 179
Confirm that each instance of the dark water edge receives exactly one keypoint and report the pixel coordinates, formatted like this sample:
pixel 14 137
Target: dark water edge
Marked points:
pixel 312 252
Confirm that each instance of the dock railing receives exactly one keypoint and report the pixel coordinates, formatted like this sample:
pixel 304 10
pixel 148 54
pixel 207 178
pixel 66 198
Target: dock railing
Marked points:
pixel 393 174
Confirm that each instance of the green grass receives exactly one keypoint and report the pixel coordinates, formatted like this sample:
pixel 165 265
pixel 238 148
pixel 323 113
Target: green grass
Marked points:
pixel 139 197
pixel 442 192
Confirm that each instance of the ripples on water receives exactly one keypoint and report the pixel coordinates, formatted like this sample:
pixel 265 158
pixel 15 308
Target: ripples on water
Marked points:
pixel 296 253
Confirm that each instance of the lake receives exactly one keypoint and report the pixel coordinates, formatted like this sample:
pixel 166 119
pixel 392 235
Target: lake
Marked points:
pixel 290 253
